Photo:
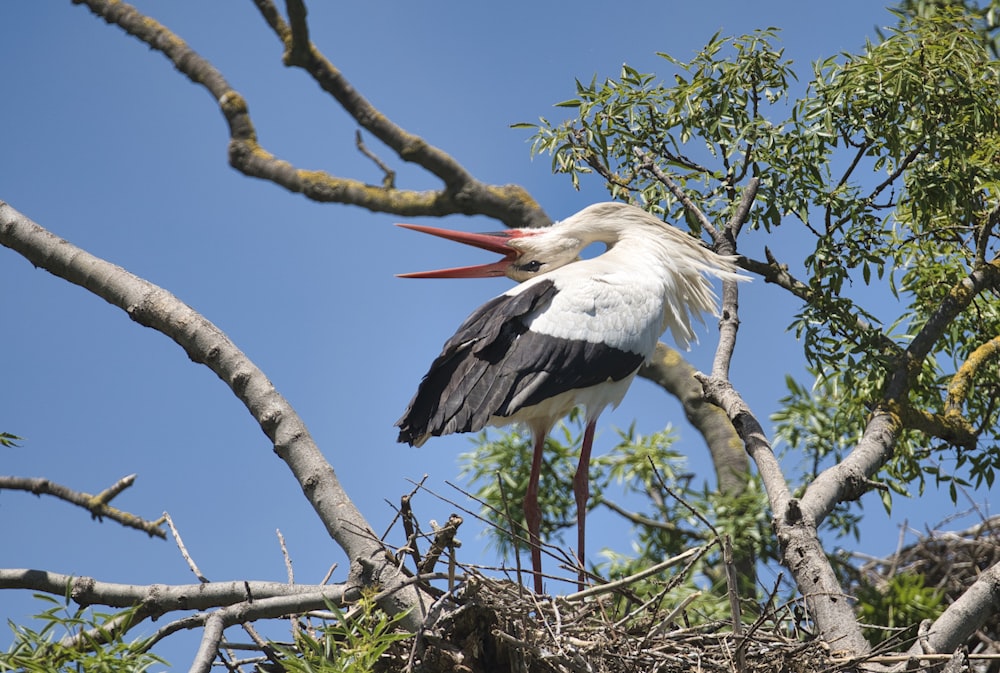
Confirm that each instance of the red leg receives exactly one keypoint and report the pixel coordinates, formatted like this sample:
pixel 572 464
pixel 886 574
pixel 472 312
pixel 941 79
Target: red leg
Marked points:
pixel 533 513
pixel 581 489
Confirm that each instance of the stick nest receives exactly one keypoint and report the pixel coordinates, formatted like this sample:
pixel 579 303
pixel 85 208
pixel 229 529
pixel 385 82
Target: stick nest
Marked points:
pixel 490 625
pixel 500 626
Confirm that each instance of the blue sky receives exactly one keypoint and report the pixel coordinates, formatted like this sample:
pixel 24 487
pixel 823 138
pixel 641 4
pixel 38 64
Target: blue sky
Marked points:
pixel 106 145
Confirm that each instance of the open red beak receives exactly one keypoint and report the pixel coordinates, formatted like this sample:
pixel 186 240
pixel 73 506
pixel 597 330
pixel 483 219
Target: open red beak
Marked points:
pixel 494 242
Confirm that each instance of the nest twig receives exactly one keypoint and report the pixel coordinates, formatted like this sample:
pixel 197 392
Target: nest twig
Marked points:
pixel 500 627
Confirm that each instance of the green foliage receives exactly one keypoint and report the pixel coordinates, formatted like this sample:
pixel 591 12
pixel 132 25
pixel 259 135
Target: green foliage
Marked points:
pixel 352 643
pixel 902 602
pixel 501 467
pixel 890 160
pixel 9 440
pixel 75 641
pixel 985 20
pixel 636 469
pixel 696 130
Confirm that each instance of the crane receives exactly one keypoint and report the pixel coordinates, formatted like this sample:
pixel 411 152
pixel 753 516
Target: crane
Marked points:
pixel 573 333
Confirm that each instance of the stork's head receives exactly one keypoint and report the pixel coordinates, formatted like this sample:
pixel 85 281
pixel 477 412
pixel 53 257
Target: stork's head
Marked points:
pixel 526 252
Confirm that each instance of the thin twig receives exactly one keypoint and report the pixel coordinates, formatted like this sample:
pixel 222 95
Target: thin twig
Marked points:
pixel 95 504
pixel 388 175
pixel 732 590
pixel 184 552
pixel 515 539
pixel 625 581
pixel 284 554
pixel 647 163
pixel 293 619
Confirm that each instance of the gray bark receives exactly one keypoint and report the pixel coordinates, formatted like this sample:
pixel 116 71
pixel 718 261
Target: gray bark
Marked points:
pixel 206 344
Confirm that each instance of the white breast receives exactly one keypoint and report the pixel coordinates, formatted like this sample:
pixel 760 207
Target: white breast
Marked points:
pixel 600 305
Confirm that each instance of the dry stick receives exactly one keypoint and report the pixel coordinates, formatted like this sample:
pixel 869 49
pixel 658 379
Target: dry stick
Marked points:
pixel 411 530
pixel 95 504
pixel 285 556
pixel 184 552
pixel 389 179
pixel 247 626
pixel 662 626
pixel 549 549
pixel 734 599
pixel 412 493
pixel 329 573
pixel 444 537
pixel 111 492
pixel 734 603
pixel 294 622
pixel 513 536
pixel 452 564
pixel 625 581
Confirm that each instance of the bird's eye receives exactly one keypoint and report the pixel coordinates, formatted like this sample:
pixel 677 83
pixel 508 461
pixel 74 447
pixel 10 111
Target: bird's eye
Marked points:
pixel 531 267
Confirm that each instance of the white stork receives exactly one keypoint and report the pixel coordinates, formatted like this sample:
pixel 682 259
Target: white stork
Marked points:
pixel 573 333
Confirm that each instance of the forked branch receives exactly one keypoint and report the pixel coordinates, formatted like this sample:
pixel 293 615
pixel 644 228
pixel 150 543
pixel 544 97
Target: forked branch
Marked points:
pixel 461 193
pixel 98 505
pixel 206 344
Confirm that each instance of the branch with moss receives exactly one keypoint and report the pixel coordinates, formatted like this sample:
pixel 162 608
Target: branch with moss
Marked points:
pixel 849 478
pixel 461 194
pixel 206 344
pixel 961 382
pixel 98 505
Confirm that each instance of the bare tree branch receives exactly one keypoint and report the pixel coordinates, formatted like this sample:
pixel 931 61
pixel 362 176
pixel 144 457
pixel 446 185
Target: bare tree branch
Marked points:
pixel 669 370
pixel 729 322
pixel 163 598
pixel 97 505
pixel 462 194
pixel 208 647
pixel 802 552
pixel 961 619
pixel 204 343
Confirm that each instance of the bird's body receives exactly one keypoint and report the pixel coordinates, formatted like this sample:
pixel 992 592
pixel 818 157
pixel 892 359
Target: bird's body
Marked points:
pixel 574 333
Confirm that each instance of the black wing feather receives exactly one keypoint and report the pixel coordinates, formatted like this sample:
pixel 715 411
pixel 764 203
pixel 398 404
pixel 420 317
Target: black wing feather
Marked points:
pixel 494 366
